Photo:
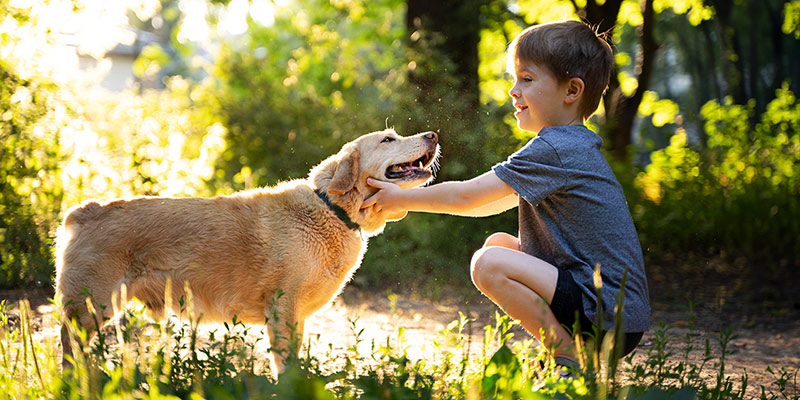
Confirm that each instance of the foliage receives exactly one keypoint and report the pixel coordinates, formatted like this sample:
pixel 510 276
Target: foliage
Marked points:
pixel 791 24
pixel 283 97
pixel 31 115
pixel 294 92
pixel 171 54
pixel 156 143
pixel 434 246
pixel 740 194
pixel 57 133
pixel 140 359
pixel 29 185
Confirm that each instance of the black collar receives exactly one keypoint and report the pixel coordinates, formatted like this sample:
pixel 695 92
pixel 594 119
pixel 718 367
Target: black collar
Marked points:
pixel 340 212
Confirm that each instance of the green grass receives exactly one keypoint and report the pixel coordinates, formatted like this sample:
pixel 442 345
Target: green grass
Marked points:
pixel 137 359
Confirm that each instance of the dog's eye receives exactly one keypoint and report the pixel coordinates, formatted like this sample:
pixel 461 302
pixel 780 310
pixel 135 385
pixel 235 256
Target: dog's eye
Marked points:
pixel 388 139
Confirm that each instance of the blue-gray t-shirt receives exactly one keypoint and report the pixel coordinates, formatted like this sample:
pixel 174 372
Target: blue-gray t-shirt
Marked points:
pixel 573 215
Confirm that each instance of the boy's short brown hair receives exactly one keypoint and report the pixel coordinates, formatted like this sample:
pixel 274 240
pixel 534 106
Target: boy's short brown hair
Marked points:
pixel 568 49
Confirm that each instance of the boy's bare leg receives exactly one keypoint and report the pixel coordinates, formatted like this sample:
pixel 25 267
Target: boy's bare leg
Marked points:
pixel 523 286
pixel 502 239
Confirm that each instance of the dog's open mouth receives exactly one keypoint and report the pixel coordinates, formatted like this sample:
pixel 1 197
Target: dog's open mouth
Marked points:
pixel 411 169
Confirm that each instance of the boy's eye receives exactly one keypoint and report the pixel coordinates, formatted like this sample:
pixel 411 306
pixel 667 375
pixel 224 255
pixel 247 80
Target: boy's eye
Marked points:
pixel 387 139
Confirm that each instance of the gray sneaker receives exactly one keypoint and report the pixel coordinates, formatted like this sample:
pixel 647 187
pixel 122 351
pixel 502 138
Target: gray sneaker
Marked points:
pixel 567 367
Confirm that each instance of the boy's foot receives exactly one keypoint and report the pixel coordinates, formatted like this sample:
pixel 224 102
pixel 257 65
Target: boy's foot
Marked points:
pixel 566 367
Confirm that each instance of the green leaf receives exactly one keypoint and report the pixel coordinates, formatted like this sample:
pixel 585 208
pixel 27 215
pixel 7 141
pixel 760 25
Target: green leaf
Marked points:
pixel 503 375
pixel 791 22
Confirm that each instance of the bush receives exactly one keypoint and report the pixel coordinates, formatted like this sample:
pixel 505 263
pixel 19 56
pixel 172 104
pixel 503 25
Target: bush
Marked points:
pixel 158 143
pixel 30 191
pixel 61 143
pixel 428 252
pixel 293 93
pixel 739 195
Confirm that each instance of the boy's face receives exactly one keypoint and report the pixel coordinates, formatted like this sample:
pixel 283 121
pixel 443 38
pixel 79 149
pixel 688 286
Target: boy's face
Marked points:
pixel 538 97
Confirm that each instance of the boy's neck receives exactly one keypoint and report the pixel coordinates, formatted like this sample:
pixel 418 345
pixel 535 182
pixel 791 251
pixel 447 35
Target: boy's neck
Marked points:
pixel 568 115
pixel 578 122
pixel 571 122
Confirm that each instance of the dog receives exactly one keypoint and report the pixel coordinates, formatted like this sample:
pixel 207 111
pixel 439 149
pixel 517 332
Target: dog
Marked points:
pixel 274 254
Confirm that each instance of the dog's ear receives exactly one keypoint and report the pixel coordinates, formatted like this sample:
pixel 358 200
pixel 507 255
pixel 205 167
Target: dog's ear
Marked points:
pixel 345 176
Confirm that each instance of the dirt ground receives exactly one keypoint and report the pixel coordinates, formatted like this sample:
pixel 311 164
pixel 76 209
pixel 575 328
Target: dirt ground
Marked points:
pixel 765 335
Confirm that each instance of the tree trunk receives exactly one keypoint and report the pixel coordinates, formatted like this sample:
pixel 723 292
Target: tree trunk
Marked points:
pixel 621 110
pixel 731 54
pixel 453 28
pixel 775 18
pixel 442 47
pixel 706 27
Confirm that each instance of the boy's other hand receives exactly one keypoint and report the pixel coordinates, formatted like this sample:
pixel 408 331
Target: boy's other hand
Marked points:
pixel 384 200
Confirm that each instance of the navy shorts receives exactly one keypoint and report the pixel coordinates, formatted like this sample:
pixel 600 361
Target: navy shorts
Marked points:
pixel 567 305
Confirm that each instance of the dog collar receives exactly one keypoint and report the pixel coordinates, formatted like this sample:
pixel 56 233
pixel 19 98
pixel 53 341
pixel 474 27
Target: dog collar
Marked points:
pixel 339 211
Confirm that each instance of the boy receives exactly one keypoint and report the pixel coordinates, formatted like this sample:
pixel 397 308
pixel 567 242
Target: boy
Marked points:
pixel 572 212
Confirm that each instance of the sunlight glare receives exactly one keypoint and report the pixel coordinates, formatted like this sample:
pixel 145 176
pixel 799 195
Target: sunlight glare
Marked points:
pixel 263 12
pixel 194 27
pixel 98 25
pixel 58 31
pixel 233 19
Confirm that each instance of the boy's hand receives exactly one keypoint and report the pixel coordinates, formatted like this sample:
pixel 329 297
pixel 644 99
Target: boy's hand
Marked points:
pixel 385 199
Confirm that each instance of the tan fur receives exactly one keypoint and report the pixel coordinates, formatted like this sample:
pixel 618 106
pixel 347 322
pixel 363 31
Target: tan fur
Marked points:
pixel 234 252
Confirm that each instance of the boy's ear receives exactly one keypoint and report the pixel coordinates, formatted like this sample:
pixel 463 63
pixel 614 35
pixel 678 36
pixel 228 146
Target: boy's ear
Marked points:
pixel 574 90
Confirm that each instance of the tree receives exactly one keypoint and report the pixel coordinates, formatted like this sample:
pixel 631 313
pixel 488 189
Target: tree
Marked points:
pixel 621 109
pixel 293 92
pixel 756 61
pixel 721 58
pixel 454 31
pixel 442 53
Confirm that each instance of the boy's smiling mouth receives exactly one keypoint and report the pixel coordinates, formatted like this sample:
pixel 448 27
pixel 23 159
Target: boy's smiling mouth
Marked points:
pixel 520 108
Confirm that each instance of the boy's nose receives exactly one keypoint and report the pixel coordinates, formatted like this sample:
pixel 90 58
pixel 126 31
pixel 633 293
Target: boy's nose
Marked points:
pixel 513 92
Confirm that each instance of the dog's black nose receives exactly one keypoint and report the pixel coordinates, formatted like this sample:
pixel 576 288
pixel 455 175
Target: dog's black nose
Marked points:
pixel 432 136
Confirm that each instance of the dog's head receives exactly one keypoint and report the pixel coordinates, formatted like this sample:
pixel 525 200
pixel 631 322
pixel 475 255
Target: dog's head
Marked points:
pixel 384 155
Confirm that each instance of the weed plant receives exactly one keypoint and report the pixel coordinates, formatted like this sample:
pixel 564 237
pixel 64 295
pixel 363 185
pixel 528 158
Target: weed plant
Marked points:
pixel 138 359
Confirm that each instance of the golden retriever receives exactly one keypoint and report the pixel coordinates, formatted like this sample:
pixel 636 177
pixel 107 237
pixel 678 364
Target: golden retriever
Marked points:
pixel 273 254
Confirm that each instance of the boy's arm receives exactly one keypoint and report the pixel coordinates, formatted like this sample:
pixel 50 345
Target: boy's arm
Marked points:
pixel 494 208
pixel 484 195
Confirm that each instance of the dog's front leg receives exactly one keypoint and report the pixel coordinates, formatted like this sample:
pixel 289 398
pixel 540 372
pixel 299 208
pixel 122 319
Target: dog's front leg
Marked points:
pixel 285 331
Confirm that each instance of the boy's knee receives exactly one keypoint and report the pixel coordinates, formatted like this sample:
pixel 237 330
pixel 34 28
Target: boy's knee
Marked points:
pixel 484 269
pixel 501 239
